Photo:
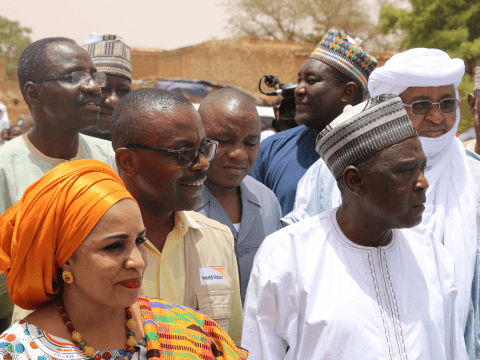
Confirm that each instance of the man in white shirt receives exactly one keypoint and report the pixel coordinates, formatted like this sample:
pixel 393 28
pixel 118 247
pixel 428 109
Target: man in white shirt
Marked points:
pixel 348 284
pixel 62 89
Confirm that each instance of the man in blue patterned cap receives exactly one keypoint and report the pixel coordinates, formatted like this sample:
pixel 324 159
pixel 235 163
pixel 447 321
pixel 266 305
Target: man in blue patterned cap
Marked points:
pixel 112 56
pixel 334 76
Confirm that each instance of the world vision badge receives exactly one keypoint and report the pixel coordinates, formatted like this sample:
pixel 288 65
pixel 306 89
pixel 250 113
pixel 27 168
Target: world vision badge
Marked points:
pixel 213 275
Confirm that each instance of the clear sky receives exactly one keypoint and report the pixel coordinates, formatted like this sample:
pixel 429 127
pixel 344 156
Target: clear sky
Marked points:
pixel 142 23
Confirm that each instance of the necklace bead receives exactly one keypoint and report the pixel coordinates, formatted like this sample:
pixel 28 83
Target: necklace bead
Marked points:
pixel 76 337
pixel 131 324
pixel 89 351
pixel 131 341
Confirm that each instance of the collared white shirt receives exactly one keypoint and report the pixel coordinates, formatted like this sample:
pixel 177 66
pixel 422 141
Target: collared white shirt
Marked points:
pixel 322 296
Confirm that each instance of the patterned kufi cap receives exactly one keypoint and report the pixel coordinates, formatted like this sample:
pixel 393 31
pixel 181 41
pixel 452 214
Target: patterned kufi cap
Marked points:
pixel 362 130
pixel 345 54
pixel 110 54
pixel 477 78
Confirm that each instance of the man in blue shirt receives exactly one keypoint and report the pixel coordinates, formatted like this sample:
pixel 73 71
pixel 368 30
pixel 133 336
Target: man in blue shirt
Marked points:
pixel 230 196
pixel 334 76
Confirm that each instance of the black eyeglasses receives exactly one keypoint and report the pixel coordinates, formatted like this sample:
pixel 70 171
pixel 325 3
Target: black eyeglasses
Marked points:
pixel 79 78
pixel 186 157
pixel 423 107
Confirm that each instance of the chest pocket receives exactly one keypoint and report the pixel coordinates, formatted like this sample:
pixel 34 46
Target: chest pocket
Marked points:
pixel 217 304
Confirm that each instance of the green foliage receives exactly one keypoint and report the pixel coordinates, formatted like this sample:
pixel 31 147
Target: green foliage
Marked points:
pixel 13 39
pixel 450 25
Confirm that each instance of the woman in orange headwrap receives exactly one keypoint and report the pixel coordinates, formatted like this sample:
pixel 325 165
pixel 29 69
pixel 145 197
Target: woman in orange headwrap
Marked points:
pixel 73 250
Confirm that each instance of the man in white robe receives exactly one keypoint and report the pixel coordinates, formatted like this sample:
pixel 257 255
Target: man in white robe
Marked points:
pixel 452 200
pixel 348 284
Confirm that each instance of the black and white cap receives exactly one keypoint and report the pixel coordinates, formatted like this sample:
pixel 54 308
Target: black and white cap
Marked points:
pixel 362 130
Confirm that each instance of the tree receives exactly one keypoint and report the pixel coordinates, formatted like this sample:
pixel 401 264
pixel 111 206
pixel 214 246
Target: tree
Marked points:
pixel 450 25
pixel 13 40
pixel 306 20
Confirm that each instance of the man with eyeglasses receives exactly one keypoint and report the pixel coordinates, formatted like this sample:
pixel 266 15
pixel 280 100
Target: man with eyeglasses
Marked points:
pixel 246 206
pixel 62 89
pixel 112 56
pixel 426 81
pixel 163 155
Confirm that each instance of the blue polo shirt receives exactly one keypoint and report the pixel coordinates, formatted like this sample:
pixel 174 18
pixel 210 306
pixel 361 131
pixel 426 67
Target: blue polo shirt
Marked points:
pixel 282 160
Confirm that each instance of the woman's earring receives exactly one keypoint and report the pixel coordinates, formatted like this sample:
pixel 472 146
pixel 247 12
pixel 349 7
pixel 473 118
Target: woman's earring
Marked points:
pixel 67 276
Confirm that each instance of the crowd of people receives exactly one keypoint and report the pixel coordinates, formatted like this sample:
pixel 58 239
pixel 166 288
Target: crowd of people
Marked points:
pixel 135 227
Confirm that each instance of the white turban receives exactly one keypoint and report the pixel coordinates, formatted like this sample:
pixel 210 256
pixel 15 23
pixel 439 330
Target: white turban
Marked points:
pixel 450 211
pixel 416 68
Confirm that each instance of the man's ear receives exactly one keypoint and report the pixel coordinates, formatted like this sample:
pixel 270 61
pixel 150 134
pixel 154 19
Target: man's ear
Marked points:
pixel 350 92
pixel 32 96
pixel 353 181
pixel 127 161
pixel 471 102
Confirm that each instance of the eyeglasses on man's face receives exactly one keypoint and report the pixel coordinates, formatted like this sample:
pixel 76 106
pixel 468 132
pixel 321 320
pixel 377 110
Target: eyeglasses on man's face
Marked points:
pixel 186 157
pixel 423 107
pixel 79 78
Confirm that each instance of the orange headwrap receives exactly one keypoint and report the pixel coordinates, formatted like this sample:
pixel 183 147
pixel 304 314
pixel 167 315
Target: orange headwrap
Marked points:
pixel 42 231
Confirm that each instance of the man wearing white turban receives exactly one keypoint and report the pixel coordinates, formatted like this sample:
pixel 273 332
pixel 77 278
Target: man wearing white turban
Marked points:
pixel 426 81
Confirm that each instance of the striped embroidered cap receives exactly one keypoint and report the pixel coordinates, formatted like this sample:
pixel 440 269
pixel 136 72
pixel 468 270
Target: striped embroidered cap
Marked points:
pixel 362 130
pixel 110 54
pixel 343 53
pixel 477 78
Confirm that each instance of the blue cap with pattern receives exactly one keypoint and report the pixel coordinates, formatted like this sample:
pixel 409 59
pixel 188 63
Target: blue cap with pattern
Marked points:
pixel 343 53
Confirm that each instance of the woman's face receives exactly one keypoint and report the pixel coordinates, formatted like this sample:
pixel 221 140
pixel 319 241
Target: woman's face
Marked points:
pixel 108 266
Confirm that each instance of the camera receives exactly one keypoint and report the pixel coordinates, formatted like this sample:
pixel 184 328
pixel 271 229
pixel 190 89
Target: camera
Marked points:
pixel 285 113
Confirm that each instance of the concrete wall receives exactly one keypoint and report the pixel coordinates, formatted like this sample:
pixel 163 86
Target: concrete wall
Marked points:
pixel 145 62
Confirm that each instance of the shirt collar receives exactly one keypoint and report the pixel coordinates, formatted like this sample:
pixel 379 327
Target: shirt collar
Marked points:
pixel 54 161
pixel 183 219
pixel 245 194
pixel 248 195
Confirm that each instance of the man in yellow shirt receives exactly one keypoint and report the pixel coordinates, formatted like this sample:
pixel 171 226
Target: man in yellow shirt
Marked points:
pixel 163 154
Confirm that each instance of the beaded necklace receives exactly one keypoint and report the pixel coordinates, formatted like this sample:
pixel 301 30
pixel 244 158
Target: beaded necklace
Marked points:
pixel 82 344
